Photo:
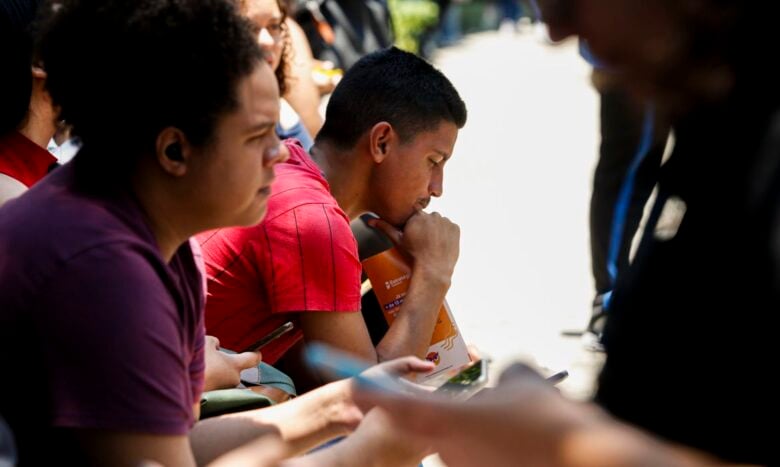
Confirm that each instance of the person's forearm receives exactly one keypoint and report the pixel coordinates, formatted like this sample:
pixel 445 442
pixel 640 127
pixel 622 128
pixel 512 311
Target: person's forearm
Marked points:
pixel 410 333
pixel 618 445
pixel 355 452
pixel 374 444
pixel 303 423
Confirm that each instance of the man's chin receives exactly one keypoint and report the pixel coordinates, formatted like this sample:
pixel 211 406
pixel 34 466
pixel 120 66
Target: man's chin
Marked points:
pixel 396 219
pixel 401 221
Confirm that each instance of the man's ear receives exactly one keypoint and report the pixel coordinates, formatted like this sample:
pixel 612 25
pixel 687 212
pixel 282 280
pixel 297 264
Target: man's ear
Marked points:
pixel 38 72
pixel 173 151
pixel 380 140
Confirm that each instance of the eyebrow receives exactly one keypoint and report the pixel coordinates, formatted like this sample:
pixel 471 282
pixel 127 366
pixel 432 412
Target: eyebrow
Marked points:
pixel 260 127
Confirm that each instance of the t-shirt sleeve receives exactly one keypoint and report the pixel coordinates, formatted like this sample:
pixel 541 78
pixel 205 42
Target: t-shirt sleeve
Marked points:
pixel 198 362
pixel 310 261
pixel 117 347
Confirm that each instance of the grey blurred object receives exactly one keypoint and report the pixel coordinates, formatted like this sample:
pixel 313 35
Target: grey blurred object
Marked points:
pixel 8 456
pixel 343 31
pixel 370 240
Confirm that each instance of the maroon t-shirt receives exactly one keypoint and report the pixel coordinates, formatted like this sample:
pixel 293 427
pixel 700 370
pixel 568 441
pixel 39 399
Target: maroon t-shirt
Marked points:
pixel 97 331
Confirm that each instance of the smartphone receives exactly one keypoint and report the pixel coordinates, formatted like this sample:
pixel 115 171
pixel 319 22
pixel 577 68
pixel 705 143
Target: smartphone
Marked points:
pixel 275 334
pixel 558 377
pixel 470 379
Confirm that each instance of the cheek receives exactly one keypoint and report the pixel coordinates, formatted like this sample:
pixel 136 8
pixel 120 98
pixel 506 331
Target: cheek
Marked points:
pixel 419 183
pixel 240 173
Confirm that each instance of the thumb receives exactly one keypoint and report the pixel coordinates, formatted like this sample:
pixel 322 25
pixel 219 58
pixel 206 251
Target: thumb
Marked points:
pixel 395 235
pixel 247 359
pixel 407 365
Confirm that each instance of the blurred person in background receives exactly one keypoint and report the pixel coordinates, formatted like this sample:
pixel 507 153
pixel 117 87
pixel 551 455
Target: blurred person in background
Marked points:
pixel 691 320
pixel 28 119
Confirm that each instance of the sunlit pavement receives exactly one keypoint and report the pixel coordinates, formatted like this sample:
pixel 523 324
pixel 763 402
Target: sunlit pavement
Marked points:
pixel 519 187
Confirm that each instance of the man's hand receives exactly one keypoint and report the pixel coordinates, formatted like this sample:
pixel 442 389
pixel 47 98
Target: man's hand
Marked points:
pixel 522 421
pixel 376 442
pixel 223 370
pixel 400 369
pixel 432 241
pixel 341 409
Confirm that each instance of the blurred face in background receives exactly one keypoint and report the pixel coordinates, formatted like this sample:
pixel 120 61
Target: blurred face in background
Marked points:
pixel 664 49
pixel 268 19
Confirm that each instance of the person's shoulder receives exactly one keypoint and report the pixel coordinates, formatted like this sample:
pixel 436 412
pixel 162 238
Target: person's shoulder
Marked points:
pixel 309 216
pixel 296 150
pixel 51 224
pixel 299 182
pixel 299 161
pixel 62 221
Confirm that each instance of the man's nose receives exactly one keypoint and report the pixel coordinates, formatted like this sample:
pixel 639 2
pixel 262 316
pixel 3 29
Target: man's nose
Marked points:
pixel 436 186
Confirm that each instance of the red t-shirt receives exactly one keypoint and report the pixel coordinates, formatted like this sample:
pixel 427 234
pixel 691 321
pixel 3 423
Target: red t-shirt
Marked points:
pixel 302 257
pixel 23 160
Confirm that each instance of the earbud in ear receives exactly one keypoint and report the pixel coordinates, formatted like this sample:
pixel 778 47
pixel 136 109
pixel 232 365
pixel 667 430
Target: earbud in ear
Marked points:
pixel 173 152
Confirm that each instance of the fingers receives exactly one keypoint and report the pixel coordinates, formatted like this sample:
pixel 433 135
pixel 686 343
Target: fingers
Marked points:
pixel 390 376
pixel 406 365
pixel 395 235
pixel 247 359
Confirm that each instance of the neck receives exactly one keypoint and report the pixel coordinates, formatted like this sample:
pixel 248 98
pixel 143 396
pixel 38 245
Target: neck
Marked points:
pixel 345 176
pixel 167 219
pixel 40 125
pixel 37 130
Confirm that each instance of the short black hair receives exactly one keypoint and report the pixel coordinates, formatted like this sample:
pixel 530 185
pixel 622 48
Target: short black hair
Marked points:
pixel 16 55
pixel 393 86
pixel 124 70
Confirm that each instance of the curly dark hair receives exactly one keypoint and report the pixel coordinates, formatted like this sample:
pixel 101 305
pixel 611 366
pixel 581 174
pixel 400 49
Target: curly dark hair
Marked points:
pixel 394 86
pixel 124 70
pixel 283 70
